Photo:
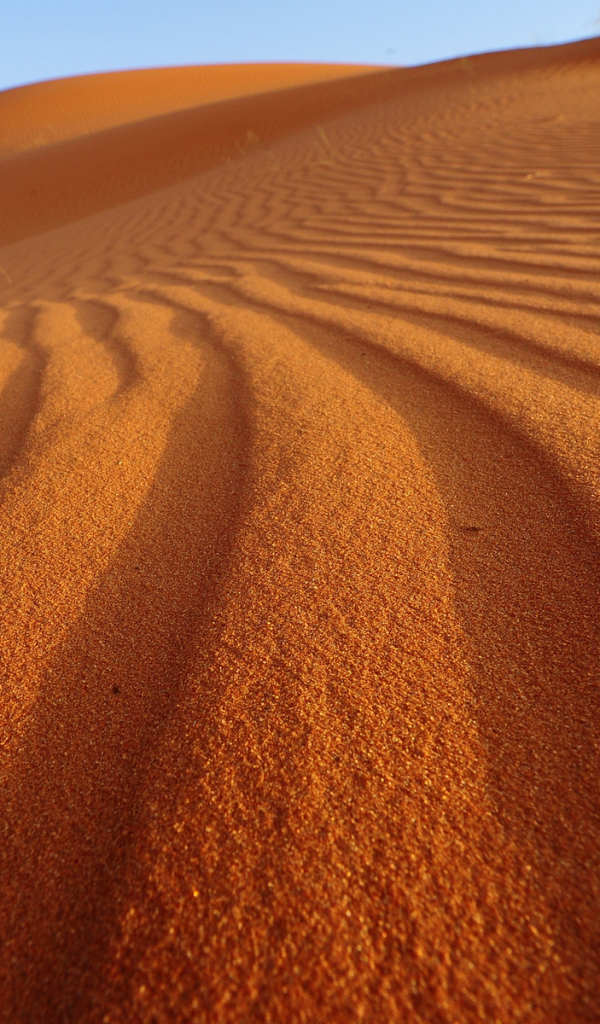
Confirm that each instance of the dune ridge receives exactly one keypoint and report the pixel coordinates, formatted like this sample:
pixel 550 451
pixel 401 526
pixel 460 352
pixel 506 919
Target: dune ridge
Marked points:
pixel 300 500
pixel 44 113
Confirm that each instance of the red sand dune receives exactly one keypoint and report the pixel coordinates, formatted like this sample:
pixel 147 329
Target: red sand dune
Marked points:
pixel 49 112
pixel 300 576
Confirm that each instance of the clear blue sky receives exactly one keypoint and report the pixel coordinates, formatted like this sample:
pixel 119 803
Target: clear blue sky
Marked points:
pixel 42 39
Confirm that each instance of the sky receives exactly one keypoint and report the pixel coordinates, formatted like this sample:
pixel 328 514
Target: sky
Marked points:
pixel 41 39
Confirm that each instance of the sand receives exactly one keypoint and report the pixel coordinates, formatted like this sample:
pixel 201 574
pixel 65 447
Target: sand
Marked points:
pixel 300 519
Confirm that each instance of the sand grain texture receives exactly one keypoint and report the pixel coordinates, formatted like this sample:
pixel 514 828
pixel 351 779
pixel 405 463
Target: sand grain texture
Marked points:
pixel 300 508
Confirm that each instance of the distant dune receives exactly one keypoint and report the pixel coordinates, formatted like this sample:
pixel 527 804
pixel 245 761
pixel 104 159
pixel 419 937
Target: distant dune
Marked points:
pixel 300 562
pixel 48 112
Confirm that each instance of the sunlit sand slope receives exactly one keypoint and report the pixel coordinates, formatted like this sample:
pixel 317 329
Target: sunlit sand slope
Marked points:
pixel 48 112
pixel 300 518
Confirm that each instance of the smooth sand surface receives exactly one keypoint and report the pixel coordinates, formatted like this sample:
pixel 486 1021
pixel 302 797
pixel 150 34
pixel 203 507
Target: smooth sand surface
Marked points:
pixel 48 112
pixel 299 573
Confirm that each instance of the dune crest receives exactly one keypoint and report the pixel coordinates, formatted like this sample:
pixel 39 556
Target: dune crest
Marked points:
pixel 300 574
pixel 45 113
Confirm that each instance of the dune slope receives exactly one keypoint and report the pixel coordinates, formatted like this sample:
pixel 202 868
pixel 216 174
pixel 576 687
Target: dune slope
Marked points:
pixel 44 113
pixel 300 575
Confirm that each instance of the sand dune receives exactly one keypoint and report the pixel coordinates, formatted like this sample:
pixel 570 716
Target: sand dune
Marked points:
pixel 300 576
pixel 44 113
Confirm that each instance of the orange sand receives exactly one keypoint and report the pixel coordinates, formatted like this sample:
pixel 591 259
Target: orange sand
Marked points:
pixel 300 518
pixel 47 112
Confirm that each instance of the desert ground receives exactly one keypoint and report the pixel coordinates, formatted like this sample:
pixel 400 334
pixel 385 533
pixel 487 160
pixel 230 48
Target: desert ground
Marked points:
pixel 300 560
